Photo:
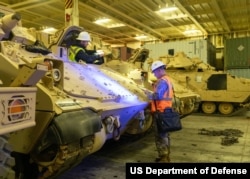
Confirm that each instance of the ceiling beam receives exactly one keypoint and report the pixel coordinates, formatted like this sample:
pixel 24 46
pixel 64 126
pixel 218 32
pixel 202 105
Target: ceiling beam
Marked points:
pixel 179 5
pixel 219 13
pixel 131 20
pixel 171 25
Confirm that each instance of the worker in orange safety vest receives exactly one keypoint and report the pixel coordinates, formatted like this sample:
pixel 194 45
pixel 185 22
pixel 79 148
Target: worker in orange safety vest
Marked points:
pixel 161 100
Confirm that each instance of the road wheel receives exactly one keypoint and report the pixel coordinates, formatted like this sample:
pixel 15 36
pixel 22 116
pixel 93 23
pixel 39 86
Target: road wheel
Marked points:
pixel 6 160
pixel 141 127
pixel 226 108
pixel 208 107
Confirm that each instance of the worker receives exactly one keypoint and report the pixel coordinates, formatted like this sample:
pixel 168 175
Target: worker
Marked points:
pixel 161 100
pixel 79 52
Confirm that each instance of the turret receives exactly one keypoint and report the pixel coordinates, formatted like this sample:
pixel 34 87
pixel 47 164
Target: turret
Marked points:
pixel 7 23
pixel 11 29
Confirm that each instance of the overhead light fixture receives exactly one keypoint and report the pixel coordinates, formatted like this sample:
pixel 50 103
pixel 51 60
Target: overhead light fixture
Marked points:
pixel 170 12
pixel 49 30
pixel 114 25
pixel 102 21
pixel 191 32
pixel 168 9
pixel 108 23
pixel 140 37
pixel 145 38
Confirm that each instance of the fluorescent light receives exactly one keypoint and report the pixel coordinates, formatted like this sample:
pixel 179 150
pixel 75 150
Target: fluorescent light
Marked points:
pixel 49 30
pixel 140 37
pixel 170 12
pixel 168 9
pixel 192 32
pixel 114 25
pixel 108 23
pixel 174 16
pixel 102 21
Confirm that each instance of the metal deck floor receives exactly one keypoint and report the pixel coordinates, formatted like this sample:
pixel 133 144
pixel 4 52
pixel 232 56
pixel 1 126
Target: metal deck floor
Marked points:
pixel 187 145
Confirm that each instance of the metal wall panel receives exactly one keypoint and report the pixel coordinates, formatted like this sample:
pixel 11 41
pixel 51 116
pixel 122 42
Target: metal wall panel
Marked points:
pixel 243 73
pixel 236 53
pixel 192 48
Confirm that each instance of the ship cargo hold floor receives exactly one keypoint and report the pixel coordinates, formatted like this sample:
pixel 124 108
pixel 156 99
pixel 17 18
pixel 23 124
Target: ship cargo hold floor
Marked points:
pixel 203 139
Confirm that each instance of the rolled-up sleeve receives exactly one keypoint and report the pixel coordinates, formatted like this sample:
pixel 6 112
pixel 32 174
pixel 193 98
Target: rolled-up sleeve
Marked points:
pixel 81 55
pixel 161 88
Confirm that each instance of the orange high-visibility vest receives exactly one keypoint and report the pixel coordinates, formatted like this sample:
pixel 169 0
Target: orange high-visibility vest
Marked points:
pixel 166 102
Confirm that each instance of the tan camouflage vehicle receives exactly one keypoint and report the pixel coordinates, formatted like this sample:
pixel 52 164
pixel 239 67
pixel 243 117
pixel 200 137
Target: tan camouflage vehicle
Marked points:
pixel 18 99
pixel 220 92
pixel 137 67
pixel 78 107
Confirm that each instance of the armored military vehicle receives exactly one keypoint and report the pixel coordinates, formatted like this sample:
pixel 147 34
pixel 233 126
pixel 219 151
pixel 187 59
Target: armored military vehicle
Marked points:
pixel 220 92
pixel 17 112
pixel 135 68
pixel 78 106
pixel 18 101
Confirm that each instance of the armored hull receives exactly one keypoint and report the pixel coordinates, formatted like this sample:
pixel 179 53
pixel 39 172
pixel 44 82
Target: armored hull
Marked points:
pixel 17 112
pixel 78 107
pixel 18 102
pixel 186 101
pixel 220 92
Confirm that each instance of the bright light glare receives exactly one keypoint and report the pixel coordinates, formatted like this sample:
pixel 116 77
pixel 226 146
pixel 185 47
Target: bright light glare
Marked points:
pixel 101 21
pixel 192 31
pixel 49 30
pixel 141 37
pixel 168 9
pixel 108 23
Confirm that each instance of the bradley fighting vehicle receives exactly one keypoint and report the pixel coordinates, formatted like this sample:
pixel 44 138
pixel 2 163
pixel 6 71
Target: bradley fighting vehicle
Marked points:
pixel 220 92
pixel 17 107
pixel 78 107
pixel 135 68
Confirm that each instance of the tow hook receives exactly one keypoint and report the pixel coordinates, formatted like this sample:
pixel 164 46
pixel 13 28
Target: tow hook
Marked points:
pixel 113 126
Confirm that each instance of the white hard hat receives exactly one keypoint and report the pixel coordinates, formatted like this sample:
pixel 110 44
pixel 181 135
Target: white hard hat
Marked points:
pixel 157 64
pixel 84 36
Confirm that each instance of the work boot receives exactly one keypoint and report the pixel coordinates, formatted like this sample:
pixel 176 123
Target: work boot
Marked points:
pixel 163 159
